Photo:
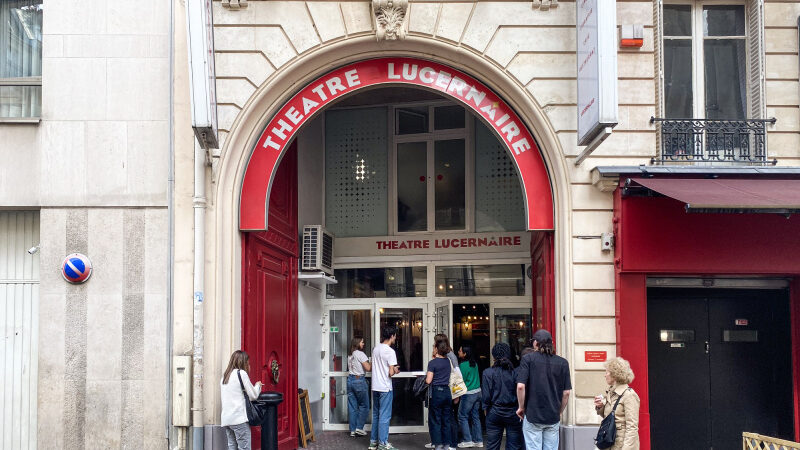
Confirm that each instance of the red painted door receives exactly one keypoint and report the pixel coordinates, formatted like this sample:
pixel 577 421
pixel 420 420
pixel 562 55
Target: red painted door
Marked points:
pixel 542 277
pixel 269 306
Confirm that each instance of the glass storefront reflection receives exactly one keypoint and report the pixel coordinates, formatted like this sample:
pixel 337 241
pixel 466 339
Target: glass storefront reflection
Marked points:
pixel 479 280
pixel 345 325
pixel 379 282
pixel 513 326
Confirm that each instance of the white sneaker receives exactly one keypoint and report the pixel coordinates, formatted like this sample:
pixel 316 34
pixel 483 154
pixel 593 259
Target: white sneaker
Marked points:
pixel 477 444
pixel 466 444
pixel 360 432
pixel 429 445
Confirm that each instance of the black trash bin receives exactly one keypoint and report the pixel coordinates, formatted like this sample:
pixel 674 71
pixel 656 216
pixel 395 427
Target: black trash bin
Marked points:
pixel 269 427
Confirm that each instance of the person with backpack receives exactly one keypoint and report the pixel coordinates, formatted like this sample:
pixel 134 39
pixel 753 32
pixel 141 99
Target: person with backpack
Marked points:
pixel 234 384
pixel 357 389
pixel 626 415
pixel 469 417
pixel 499 401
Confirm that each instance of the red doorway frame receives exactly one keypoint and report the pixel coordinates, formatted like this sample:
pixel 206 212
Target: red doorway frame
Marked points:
pixel 543 280
pixel 656 237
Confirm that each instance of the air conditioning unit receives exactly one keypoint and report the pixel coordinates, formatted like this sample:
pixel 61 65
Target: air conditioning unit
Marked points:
pixel 317 249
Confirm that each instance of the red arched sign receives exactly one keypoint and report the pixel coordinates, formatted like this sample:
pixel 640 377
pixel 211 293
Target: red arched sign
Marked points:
pixel 399 71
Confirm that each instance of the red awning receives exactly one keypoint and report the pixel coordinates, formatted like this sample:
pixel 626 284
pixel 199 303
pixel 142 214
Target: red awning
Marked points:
pixel 728 195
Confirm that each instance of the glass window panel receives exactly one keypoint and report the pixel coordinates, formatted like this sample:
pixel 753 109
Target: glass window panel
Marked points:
pixel 678 92
pixel 379 282
pixel 21 40
pixel 412 120
pixel 739 335
pixel 345 325
pixel 408 345
pixel 450 184
pixel 499 204
pixel 339 413
pixel 406 409
pixel 726 72
pixel 471 327
pixel 468 281
pixel 448 117
pixel 723 20
pixel 412 186
pixel 513 326
pixel 356 172
pixel 677 20
pixel 676 335
pixel 20 101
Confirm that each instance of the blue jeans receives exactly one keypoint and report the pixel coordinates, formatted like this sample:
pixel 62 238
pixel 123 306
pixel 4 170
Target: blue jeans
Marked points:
pixel 499 419
pixel 439 415
pixel 381 415
pixel 357 401
pixel 469 417
pixel 539 436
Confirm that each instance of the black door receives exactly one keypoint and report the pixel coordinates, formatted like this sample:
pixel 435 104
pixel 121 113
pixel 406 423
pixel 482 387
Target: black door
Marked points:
pixel 719 364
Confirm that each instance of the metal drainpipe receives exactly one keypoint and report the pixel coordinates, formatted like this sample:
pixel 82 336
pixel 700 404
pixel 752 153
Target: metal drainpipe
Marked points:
pixel 199 204
pixel 170 222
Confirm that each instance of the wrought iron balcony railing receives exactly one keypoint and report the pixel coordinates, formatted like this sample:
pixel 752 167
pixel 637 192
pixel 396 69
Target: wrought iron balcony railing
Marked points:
pixel 707 140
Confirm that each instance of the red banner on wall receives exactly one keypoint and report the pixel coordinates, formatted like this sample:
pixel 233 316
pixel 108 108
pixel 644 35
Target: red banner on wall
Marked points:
pixel 450 82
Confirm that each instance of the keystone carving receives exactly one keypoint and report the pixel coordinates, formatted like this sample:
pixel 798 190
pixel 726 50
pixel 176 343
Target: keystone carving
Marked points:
pixel 234 4
pixel 390 18
pixel 545 5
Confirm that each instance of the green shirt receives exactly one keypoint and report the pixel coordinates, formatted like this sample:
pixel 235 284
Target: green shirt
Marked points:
pixel 470 374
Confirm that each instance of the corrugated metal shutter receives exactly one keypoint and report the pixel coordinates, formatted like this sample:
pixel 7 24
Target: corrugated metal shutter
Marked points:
pixel 755 58
pixel 658 45
pixel 19 322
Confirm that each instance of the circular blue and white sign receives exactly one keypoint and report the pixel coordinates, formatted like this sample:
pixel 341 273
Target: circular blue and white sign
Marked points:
pixel 76 268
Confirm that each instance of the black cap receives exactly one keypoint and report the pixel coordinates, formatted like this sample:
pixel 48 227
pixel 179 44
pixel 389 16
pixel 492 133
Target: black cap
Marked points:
pixel 542 336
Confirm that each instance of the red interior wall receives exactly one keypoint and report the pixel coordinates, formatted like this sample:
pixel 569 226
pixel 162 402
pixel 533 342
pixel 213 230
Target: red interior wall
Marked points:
pixel 655 236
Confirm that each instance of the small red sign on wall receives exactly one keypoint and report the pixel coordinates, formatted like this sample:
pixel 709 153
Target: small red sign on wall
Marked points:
pixel 595 356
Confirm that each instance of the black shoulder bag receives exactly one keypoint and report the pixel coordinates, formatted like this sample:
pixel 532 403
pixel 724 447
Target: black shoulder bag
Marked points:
pixel 255 410
pixel 607 434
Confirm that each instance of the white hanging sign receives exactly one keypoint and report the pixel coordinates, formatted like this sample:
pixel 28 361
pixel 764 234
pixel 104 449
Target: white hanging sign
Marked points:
pixel 202 74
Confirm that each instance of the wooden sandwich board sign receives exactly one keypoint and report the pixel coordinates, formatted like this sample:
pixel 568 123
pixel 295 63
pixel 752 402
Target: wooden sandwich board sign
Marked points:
pixel 304 420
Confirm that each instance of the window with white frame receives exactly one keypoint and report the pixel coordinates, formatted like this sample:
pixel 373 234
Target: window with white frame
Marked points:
pixel 20 59
pixel 711 60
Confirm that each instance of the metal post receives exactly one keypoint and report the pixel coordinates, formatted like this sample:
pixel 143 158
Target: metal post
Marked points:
pixel 269 427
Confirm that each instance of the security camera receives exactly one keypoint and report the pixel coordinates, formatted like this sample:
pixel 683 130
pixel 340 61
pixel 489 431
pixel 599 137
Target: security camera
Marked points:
pixel 33 250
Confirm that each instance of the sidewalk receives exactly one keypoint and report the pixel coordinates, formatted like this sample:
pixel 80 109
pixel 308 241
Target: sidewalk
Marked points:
pixel 333 440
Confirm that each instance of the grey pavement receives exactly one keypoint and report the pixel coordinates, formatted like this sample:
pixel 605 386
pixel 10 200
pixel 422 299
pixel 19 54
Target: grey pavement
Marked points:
pixel 333 440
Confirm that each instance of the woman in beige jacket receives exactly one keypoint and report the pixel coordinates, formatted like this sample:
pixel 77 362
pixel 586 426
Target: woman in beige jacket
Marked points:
pixel 618 376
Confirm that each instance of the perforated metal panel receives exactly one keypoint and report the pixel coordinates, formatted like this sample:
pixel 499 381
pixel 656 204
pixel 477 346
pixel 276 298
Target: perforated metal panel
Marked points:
pixel 498 194
pixel 356 173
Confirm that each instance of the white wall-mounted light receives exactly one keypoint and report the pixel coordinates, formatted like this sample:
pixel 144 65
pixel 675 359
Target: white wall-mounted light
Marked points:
pixel 33 250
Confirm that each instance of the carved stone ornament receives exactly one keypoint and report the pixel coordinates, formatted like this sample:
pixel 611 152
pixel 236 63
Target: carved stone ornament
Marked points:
pixel 545 5
pixel 234 4
pixel 390 18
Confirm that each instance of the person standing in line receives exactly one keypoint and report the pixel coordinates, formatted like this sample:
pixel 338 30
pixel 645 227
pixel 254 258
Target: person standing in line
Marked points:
pixel 626 416
pixel 234 415
pixel 454 361
pixel 384 366
pixel 543 388
pixel 499 401
pixel 440 414
pixel 357 389
pixel 469 416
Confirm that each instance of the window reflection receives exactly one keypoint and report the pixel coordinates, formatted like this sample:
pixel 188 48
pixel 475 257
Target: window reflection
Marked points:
pixel 467 281
pixel 379 282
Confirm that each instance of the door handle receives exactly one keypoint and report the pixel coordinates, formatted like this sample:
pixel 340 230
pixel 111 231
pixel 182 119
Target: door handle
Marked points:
pixel 707 347
pixel 276 371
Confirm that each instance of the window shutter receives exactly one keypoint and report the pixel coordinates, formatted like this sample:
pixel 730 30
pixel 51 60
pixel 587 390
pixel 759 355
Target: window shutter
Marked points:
pixel 755 58
pixel 658 57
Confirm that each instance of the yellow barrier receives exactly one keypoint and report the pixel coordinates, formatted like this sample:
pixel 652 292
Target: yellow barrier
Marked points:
pixel 753 441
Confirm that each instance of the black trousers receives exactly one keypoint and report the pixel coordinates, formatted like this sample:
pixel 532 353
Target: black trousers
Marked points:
pixel 498 420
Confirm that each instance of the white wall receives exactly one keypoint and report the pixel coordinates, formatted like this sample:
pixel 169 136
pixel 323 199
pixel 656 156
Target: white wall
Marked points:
pixel 310 192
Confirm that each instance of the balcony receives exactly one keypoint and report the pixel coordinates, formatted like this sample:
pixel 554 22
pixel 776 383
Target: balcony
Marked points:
pixel 712 141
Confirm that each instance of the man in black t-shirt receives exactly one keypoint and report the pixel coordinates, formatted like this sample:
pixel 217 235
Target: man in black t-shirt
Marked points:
pixel 543 387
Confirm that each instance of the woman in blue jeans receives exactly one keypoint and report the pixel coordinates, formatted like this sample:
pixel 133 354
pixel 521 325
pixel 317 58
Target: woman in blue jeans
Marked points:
pixel 499 398
pixel 469 417
pixel 439 410
pixel 357 389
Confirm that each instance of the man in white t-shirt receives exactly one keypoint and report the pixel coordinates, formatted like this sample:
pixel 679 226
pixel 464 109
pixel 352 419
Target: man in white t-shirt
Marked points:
pixel 384 366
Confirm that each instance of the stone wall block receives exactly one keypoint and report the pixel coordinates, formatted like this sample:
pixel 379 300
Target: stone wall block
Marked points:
pixel 19 167
pixel 63 162
pixel 273 43
pixel 783 145
pixel 593 276
pixel 125 17
pixel 148 142
pixel 549 92
pixel 635 13
pixel 327 17
pixel 593 303
pixel 141 91
pixel 781 14
pixel 254 66
pixel 628 143
pixel 156 244
pixel 453 20
pixel 422 17
pixel 788 118
pixel 357 16
pixel 784 93
pixel 528 66
pixel 75 17
pixel 636 92
pixel 589 383
pixel 780 40
pixel 226 114
pixel 586 196
pixel 511 40
pixel 226 16
pixel 588 250
pixel 569 143
pixel 593 330
pixel 234 39
pixel 562 117
pixel 103 336
pixel 103 414
pixel 235 91
pixel 52 45
pixel 635 65
pixel 635 118
pixel 85 75
pixel 293 17
pixel 488 16
pixel 584 412
pixel 106 159
pixel 782 67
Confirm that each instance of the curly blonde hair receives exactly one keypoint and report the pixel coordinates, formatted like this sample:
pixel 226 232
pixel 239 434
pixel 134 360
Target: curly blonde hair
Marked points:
pixel 620 370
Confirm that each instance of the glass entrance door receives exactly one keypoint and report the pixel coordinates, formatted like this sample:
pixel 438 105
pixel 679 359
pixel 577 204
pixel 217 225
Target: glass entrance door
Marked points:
pixel 511 323
pixel 344 322
pixel 443 319
pixel 413 352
